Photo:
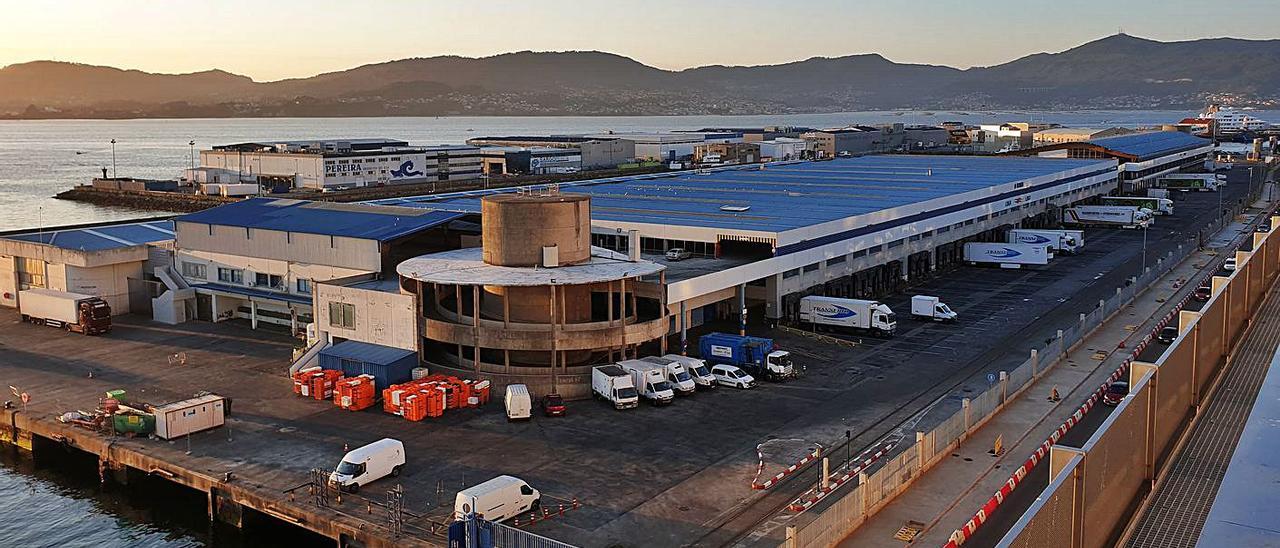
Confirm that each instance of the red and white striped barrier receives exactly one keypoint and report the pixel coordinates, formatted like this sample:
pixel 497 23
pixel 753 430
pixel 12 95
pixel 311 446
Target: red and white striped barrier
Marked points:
pixel 816 494
pixel 757 484
pixel 964 533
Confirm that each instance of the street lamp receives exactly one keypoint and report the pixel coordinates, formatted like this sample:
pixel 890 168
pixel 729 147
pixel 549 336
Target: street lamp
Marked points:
pixel 192 144
pixel 113 158
pixel 1144 248
pixel 848 445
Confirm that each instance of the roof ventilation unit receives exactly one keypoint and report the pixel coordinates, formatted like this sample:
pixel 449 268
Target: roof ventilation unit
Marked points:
pixel 735 208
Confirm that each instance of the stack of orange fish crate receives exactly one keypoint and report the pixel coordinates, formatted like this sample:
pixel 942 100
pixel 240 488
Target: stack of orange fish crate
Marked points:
pixel 430 396
pixel 315 383
pixel 355 393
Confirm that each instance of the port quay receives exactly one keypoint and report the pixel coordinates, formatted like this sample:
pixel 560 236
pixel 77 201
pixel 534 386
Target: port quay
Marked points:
pixel 772 336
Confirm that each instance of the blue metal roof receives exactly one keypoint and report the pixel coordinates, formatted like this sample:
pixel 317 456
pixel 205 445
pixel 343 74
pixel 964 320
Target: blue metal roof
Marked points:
pixel 1151 144
pixel 789 196
pixel 99 238
pixel 367 352
pixel 363 221
pixel 1243 513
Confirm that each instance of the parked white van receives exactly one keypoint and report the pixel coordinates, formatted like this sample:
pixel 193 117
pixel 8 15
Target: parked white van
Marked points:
pixel 519 403
pixel 369 463
pixel 498 499
pixel 697 369
pixel 675 373
pixel 729 375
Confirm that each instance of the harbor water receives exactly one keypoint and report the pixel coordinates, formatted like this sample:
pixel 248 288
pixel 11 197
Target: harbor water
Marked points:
pixel 41 158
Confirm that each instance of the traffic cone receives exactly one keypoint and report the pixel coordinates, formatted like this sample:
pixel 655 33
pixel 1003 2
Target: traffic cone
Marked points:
pixel 1053 394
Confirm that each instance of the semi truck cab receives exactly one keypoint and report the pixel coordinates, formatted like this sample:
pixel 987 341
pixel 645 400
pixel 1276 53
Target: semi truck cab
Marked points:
pixel 883 319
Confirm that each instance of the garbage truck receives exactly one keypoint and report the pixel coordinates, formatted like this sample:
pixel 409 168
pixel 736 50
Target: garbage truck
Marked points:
pixel 755 355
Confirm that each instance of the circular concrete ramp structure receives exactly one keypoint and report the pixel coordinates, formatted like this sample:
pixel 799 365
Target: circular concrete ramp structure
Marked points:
pixel 536 304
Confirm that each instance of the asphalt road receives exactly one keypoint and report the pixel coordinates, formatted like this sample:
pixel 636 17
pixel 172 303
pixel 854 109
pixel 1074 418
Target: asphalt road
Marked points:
pixel 1014 506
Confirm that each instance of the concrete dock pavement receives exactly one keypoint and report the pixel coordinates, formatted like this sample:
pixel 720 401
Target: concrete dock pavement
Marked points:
pixel 947 495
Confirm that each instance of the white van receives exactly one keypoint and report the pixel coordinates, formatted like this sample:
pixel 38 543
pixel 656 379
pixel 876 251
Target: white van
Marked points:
pixel 519 403
pixel 498 499
pixel 729 375
pixel 697 369
pixel 366 464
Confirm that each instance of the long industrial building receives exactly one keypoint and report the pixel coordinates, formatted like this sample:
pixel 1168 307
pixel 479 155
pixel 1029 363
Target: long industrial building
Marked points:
pixel 1143 157
pixel 849 227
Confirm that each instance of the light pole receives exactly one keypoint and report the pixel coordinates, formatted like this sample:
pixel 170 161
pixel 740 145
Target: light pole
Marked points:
pixel 192 144
pixel 1144 248
pixel 113 158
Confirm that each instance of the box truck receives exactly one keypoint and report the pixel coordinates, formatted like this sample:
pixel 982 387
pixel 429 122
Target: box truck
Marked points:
pixel 650 381
pixel 755 355
pixel 1098 215
pixel 854 314
pixel 611 383
pixel 1160 206
pixel 1202 182
pixel 71 311
pixel 928 307
pixel 675 373
pixel 697 369
pixel 1006 255
pixel 1067 241
pixel 518 402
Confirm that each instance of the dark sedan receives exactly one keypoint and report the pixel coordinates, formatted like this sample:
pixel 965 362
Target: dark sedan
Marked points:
pixel 1115 392
pixel 1168 335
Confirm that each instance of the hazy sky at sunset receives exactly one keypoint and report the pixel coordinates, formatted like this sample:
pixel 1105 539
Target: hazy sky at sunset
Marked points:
pixel 270 40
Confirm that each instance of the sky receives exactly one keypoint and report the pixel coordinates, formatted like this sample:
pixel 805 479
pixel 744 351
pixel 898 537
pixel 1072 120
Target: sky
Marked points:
pixel 272 40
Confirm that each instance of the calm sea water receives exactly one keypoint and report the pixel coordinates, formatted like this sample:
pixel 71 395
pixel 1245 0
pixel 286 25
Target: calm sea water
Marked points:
pixel 43 507
pixel 40 158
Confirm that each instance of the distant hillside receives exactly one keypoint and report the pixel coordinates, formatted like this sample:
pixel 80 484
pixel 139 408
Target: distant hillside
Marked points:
pixel 1115 72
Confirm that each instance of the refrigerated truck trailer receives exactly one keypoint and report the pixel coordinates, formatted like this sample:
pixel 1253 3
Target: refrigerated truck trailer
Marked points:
pixel 1202 182
pixel 72 311
pixel 1067 241
pixel 854 314
pixel 1160 206
pixel 1122 216
pixel 1006 255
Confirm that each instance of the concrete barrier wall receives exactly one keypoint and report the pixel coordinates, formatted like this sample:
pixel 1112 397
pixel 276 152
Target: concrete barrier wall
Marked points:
pixel 1210 340
pixel 1091 498
pixel 1049 520
pixel 1115 467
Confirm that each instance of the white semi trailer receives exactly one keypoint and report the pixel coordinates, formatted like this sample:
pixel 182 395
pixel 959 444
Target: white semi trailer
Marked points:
pixel 1067 241
pixel 1097 215
pixel 854 314
pixel 1007 255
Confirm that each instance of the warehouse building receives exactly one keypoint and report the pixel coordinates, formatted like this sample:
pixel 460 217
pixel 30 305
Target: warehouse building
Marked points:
pixel 1077 134
pixel 726 153
pixel 1143 157
pixel 530 160
pixel 848 227
pixel 334 164
pixel 260 259
pixel 596 153
pixel 783 148
pixel 853 140
pixel 667 147
pixel 105 260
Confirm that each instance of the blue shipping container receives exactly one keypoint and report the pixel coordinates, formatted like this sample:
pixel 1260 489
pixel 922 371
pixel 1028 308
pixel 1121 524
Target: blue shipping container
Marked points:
pixel 387 365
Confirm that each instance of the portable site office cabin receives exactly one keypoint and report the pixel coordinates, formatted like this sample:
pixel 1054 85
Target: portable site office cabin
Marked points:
pixel 189 416
pixel 387 365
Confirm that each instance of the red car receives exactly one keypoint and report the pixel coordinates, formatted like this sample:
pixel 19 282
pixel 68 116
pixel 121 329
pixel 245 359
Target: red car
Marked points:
pixel 553 405
pixel 1115 392
pixel 1202 293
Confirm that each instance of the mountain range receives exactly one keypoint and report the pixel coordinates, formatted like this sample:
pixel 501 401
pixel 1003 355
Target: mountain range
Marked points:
pixel 1118 71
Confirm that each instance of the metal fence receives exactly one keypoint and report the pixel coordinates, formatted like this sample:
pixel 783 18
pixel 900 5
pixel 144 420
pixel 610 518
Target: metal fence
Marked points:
pixel 879 487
